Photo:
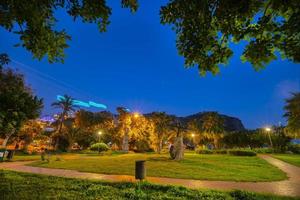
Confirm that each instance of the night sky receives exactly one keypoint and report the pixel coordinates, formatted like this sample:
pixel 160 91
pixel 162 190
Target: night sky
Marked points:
pixel 135 64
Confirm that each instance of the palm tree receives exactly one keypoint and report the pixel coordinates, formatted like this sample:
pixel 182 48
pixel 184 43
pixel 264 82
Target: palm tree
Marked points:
pixel 66 104
pixel 292 114
pixel 162 124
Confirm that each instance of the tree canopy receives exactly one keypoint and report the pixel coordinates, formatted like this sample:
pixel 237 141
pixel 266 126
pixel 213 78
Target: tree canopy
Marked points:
pixel 205 29
pixel 292 114
pixel 17 103
pixel 35 22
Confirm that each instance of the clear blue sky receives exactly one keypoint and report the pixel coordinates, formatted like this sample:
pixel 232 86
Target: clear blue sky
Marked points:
pixel 136 64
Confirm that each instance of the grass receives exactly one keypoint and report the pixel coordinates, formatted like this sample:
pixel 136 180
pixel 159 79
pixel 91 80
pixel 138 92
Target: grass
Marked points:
pixel 194 166
pixel 293 159
pixel 24 186
pixel 26 157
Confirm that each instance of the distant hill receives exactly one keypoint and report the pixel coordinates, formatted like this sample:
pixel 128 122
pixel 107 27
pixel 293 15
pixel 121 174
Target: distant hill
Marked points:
pixel 230 123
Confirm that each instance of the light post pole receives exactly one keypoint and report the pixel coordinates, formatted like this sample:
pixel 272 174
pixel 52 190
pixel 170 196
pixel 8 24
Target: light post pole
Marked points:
pixel 268 130
pixel 99 136
pixel 193 141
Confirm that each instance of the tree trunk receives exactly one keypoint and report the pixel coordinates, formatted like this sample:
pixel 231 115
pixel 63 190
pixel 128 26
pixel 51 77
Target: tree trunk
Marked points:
pixel 4 143
pixel 159 146
pixel 59 132
pixel 71 142
pixel 216 143
pixel 179 148
pixel 125 143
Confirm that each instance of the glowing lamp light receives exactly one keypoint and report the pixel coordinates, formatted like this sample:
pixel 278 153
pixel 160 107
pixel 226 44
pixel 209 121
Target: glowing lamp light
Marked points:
pixel 99 132
pixel 193 135
pixel 136 115
pixel 268 129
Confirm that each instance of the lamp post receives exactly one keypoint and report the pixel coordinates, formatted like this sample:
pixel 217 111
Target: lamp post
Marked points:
pixel 136 115
pixel 268 130
pixel 193 136
pixel 99 134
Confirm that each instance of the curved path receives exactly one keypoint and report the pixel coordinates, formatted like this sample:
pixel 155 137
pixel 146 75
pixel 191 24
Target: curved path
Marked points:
pixel 289 187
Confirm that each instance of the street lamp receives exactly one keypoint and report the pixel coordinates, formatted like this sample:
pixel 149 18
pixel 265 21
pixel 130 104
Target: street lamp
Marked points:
pixel 193 136
pixel 99 134
pixel 268 130
pixel 136 115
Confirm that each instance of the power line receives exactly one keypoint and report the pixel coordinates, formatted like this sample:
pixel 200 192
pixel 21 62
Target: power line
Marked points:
pixel 51 79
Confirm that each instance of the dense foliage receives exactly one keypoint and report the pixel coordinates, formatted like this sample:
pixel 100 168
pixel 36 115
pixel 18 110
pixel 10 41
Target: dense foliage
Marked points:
pixel 292 114
pixel 36 24
pixel 17 103
pixel 205 28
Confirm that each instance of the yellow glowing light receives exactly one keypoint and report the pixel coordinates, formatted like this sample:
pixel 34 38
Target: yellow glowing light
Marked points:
pixel 136 115
pixel 99 132
pixel 268 129
pixel 193 135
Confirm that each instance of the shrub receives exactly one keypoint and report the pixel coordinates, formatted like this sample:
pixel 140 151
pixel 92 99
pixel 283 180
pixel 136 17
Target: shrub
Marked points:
pixel 204 151
pixel 99 147
pixel 295 148
pixel 237 152
pixel 220 151
pixel 263 150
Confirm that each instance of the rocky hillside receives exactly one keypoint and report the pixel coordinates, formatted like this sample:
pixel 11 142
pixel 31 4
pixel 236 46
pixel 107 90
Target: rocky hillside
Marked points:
pixel 230 123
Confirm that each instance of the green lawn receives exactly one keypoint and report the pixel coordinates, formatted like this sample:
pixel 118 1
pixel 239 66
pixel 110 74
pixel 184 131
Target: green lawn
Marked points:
pixel 194 166
pixel 23 186
pixel 26 157
pixel 293 159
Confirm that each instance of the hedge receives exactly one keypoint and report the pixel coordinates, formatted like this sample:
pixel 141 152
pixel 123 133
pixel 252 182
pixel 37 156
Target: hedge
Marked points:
pixel 237 152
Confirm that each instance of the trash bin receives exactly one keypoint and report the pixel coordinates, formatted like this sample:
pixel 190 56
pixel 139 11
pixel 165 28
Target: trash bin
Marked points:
pixel 2 154
pixel 140 169
pixel 10 154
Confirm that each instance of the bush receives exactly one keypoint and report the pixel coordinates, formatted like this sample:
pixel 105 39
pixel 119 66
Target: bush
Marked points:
pixel 204 151
pixel 237 152
pixel 263 150
pixel 220 151
pixel 99 147
pixel 295 148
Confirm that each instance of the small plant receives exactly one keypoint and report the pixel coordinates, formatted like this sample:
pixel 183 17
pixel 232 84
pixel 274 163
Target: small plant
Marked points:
pixel 204 151
pixel 220 151
pixel 238 152
pixel 100 147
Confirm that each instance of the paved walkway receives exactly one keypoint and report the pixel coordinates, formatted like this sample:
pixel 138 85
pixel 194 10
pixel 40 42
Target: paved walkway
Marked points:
pixel 290 187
